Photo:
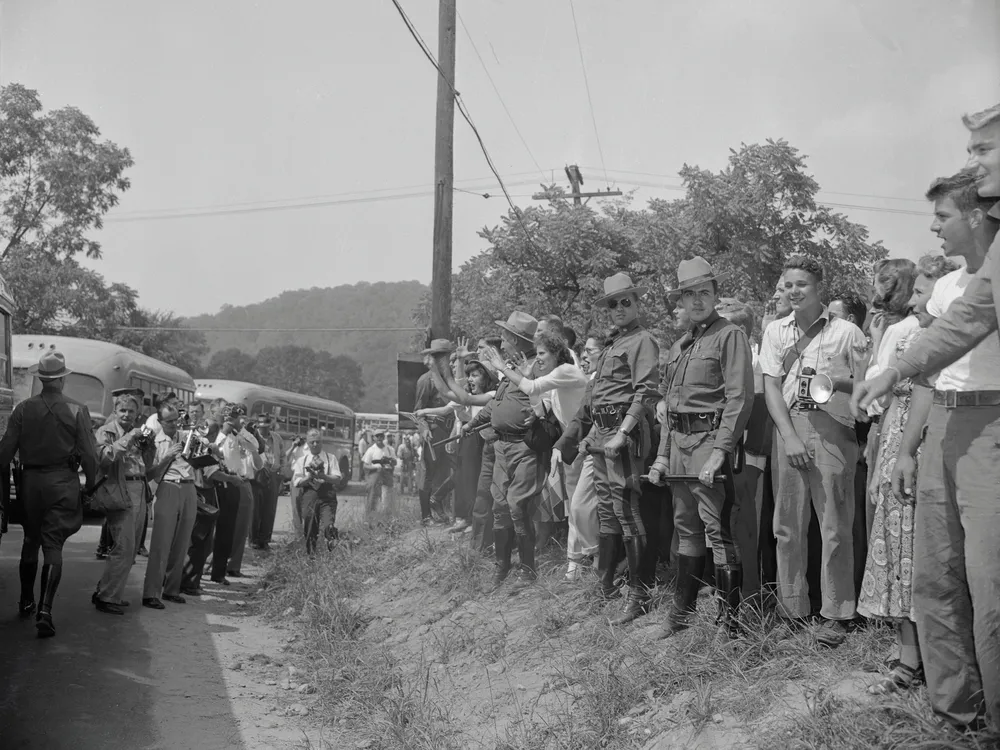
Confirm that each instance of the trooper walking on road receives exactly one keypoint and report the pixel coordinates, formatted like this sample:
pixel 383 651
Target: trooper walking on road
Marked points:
pixel 53 436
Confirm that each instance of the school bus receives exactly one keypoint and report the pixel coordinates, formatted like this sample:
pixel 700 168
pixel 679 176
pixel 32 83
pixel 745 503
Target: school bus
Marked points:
pixel 98 368
pixel 6 392
pixel 294 414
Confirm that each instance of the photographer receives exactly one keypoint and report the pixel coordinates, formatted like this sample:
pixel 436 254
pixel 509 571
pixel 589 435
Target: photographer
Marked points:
pixel 378 462
pixel 241 456
pixel 266 484
pixel 317 476
pixel 125 453
pixel 295 451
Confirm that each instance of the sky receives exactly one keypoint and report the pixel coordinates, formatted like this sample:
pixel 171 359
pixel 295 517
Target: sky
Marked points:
pixel 256 105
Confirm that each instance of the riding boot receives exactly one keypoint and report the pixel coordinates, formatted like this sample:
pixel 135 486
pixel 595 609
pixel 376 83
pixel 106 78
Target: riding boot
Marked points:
pixel 729 583
pixel 503 546
pixel 28 570
pixel 525 574
pixel 637 603
pixel 689 579
pixel 610 550
pixel 51 575
pixel 708 577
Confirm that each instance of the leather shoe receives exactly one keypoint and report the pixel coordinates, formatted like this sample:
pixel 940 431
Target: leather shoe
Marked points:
pixel 153 603
pixel 44 626
pixel 222 581
pixel 192 592
pixel 108 608
pixel 231 574
pixel 175 599
pixel 25 608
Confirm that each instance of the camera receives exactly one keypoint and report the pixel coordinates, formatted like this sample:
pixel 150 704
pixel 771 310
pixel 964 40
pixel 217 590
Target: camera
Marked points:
pixel 813 389
pixel 144 440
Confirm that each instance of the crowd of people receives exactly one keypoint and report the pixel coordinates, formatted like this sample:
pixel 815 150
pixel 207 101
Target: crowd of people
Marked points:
pixel 835 460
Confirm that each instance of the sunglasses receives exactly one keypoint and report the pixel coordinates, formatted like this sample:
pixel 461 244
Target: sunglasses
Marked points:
pixel 626 303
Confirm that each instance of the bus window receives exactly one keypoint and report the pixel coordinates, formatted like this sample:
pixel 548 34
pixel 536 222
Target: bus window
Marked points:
pixel 313 420
pixel 86 389
pixel 5 353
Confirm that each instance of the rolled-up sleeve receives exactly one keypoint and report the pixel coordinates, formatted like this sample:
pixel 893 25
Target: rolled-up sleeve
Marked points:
pixel 737 364
pixel 644 361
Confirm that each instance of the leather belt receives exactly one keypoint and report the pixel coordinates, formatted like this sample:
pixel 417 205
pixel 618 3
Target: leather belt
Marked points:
pixel 692 423
pixel 178 481
pixel 135 478
pixel 47 467
pixel 511 437
pixel 954 399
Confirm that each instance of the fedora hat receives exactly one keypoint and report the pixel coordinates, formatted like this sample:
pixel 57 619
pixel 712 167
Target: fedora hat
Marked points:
pixel 692 272
pixel 620 283
pixel 438 346
pixel 520 324
pixel 51 366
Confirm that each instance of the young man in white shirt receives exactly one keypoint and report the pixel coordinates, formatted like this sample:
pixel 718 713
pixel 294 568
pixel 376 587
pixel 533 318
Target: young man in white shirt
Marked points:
pixel 378 462
pixel 317 475
pixel 817 448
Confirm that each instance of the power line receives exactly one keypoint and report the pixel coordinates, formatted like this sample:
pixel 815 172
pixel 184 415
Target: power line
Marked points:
pixel 266 330
pixel 586 83
pixel 497 92
pixel 460 104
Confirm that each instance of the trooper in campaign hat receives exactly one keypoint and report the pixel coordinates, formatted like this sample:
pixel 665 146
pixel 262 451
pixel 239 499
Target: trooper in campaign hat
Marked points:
pixel 708 391
pixel 619 407
pixel 53 436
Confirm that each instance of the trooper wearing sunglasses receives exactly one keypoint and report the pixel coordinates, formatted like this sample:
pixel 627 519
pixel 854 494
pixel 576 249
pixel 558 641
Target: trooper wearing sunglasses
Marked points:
pixel 617 413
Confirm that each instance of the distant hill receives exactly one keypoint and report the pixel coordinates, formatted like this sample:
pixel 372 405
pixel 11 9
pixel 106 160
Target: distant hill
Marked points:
pixel 361 305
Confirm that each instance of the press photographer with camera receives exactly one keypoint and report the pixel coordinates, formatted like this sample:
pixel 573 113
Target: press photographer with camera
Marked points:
pixel 241 456
pixel 378 462
pixel 810 360
pixel 126 453
pixel 316 475
pixel 266 484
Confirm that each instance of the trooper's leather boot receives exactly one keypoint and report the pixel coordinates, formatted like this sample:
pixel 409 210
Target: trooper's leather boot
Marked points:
pixel 27 569
pixel 689 580
pixel 503 545
pixel 637 603
pixel 708 578
pixel 525 574
pixel 729 584
pixel 610 551
pixel 51 575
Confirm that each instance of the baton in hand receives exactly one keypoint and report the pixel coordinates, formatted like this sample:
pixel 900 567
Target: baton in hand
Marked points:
pixel 460 435
pixel 717 479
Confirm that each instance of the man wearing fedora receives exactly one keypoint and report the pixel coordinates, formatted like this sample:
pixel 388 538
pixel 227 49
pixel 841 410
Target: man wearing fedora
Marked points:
pixel 518 470
pixel 817 450
pixel 617 414
pixel 708 391
pixel 437 463
pixel 53 436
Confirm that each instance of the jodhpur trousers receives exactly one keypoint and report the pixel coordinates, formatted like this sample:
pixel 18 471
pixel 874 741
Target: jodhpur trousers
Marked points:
pixel 956 562
pixel 517 484
pixel 617 483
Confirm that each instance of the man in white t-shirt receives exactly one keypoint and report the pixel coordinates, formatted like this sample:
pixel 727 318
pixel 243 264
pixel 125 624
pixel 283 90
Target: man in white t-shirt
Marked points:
pixel 378 462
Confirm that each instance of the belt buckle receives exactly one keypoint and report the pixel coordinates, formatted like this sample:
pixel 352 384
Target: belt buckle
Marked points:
pixel 950 399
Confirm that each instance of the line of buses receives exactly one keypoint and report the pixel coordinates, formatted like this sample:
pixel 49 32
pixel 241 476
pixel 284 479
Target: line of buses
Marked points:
pixel 100 368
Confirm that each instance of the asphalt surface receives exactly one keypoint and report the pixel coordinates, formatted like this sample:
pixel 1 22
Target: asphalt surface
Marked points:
pixel 148 679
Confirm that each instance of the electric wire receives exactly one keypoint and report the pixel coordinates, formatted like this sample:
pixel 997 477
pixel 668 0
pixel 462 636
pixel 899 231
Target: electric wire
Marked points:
pixel 460 105
pixel 586 83
pixel 215 329
pixel 497 92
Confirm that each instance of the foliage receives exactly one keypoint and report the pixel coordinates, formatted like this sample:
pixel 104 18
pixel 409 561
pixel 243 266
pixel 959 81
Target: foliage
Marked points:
pixel 747 220
pixel 57 179
pixel 183 349
pixel 293 368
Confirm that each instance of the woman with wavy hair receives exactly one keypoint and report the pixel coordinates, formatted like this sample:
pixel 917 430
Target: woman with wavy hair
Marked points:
pixel 885 589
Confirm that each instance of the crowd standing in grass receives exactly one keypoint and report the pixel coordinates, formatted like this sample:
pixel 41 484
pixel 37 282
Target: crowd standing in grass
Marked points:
pixel 836 463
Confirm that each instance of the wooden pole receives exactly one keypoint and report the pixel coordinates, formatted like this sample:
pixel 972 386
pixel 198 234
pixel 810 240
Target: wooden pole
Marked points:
pixel 444 173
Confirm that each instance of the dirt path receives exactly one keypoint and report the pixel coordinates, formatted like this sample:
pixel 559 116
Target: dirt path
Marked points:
pixel 200 676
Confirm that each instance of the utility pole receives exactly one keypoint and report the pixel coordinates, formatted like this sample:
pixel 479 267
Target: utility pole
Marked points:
pixel 575 178
pixel 444 173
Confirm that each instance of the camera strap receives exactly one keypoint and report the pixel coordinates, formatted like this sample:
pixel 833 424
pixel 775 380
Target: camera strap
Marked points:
pixel 793 354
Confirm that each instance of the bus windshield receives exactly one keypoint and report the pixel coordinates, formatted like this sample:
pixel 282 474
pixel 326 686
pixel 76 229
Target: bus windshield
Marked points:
pixel 88 390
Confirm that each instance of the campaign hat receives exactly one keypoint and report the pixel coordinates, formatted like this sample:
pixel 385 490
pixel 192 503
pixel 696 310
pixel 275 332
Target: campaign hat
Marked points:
pixel 438 346
pixel 692 272
pixel 51 366
pixel 618 284
pixel 520 324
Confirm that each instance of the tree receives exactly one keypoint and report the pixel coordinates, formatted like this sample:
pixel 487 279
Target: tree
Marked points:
pixel 230 364
pixel 310 372
pixel 183 349
pixel 57 180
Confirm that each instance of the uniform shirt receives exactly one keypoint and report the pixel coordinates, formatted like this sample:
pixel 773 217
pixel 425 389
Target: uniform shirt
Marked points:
pixel 839 350
pixel 299 474
pixel 968 320
pixel 560 391
pixel 510 409
pixel 628 373
pixel 979 369
pixel 49 429
pixel 374 454
pixel 179 469
pixel 711 368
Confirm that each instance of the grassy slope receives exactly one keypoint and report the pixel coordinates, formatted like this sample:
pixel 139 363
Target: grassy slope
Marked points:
pixel 410 651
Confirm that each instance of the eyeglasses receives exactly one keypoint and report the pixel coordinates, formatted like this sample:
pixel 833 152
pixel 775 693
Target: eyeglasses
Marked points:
pixel 167 421
pixel 625 302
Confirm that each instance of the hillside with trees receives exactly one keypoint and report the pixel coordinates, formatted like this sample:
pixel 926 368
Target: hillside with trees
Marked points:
pixel 362 305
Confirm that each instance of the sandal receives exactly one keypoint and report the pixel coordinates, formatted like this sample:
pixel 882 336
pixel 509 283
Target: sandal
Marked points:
pixel 901 677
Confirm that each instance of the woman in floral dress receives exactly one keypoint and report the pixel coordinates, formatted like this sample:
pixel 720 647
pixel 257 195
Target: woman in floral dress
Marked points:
pixel 885 591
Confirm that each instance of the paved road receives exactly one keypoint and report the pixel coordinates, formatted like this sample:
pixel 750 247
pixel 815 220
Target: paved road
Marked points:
pixel 150 679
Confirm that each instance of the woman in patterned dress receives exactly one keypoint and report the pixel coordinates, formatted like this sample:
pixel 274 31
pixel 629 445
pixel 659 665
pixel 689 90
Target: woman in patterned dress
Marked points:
pixel 885 590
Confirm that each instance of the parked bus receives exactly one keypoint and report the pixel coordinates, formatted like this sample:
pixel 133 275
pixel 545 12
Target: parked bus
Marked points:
pixel 389 423
pixel 98 368
pixel 294 414
pixel 6 392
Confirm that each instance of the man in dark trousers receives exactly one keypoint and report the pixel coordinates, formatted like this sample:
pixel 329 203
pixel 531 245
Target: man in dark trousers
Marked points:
pixel 619 405
pixel 437 463
pixel 53 436
pixel 708 387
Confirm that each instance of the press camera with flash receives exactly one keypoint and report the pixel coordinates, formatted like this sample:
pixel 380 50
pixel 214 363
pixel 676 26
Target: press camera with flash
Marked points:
pixel 814 389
